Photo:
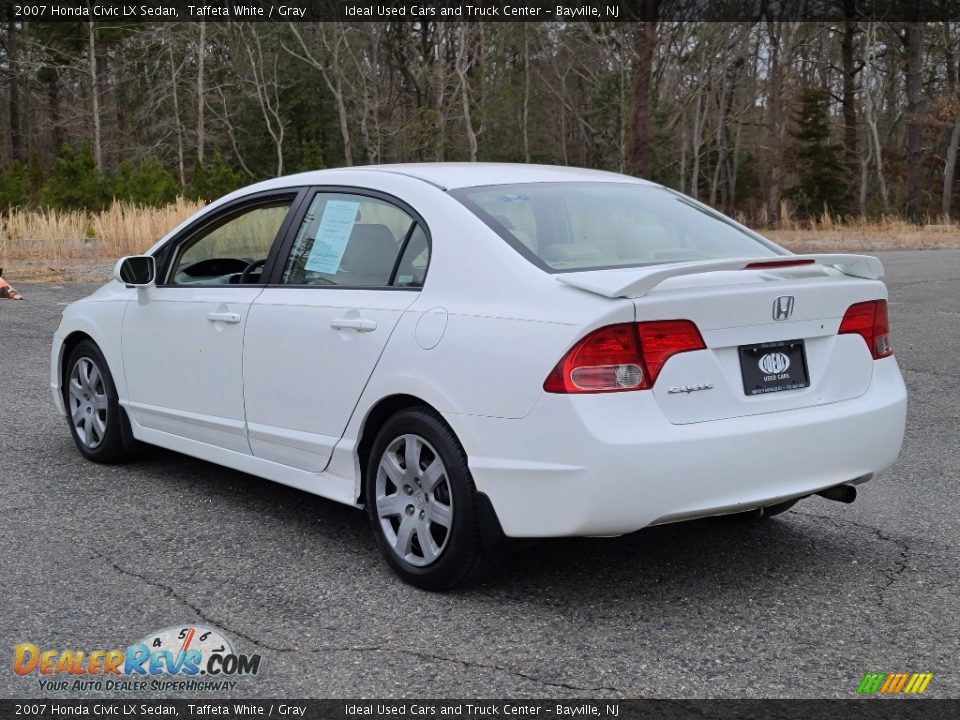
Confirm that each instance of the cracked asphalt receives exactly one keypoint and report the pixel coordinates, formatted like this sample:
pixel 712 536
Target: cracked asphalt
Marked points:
pixel 96 557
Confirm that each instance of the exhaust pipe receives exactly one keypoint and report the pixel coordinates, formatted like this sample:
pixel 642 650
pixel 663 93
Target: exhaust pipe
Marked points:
pixel 840 493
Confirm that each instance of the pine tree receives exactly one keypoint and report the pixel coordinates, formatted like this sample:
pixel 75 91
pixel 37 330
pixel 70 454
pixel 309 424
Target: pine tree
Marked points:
pixel 208 184
pixel 816 160
pixel 148 184
pixel 74 182
pixel 14 186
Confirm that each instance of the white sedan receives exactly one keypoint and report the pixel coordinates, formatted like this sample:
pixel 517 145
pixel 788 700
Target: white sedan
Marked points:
pixel 475 352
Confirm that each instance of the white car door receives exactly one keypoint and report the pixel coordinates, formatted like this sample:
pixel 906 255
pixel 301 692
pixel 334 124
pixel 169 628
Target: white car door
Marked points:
pixel 318 329
pixel 183 339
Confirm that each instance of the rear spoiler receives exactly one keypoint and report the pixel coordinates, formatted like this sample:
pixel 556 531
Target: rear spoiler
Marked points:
pixel 637 282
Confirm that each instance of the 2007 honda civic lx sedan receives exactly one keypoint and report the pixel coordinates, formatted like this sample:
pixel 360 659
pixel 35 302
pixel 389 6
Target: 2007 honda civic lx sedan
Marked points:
pixel 476 352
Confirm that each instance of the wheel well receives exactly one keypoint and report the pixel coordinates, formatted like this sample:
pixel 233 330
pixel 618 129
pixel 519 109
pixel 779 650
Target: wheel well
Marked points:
pixel 378 415
pixel 69 343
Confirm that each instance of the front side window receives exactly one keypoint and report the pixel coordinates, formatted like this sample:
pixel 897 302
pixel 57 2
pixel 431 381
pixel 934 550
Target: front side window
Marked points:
pixel 356 241
pixel 582 226
pixel 232 251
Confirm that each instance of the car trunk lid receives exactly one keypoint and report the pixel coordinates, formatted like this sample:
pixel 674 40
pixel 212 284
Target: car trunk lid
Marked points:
pixel 763 318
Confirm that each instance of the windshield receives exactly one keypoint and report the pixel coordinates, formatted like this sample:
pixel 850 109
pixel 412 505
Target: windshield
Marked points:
pixel 582 226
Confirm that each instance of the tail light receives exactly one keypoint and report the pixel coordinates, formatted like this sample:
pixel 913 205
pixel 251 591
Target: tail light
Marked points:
pixel 869 321
pixel 626 356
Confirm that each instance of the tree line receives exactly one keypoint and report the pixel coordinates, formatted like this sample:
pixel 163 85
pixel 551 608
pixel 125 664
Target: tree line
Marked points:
pixel 852 118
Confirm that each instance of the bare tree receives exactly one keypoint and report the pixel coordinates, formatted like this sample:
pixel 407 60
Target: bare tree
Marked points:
pixel 525 113
pixel 94 94
pixel 13 83
pixel 201 92
pixel 177 122
pixel 707 106
pixel 265 78
pixel 232 134
pixel 873 88
pixel 463 66
pixel 646 41
pixel 912 37
pixel 440 83
pixel 781 37
pixel 333 37
pixel 953 93
pixel 850 70
pixel 366 88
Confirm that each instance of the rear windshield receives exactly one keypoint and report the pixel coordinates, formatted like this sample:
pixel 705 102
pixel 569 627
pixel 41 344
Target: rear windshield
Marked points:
pixel 581 226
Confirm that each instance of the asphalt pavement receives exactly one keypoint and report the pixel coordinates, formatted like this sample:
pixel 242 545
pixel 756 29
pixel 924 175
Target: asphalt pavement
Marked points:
pixel 802 605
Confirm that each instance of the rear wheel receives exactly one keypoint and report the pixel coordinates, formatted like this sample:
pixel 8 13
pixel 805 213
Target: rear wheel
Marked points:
pixel 430 523
pixel 93 410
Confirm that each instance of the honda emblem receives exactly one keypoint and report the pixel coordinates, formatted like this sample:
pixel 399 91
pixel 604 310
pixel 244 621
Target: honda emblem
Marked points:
pixel 783 307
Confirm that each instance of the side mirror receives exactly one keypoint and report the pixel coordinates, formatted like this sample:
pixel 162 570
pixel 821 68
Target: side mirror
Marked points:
pixel 136 271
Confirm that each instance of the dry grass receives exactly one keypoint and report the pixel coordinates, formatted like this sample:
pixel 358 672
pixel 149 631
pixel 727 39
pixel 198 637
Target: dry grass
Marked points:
pixel 51 245
pixel 832 234
pixel 868 237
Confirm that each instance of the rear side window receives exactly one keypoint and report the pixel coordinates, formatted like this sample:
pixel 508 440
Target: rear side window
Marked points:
pixel 356 241
pixel 413 264
pixel 581 226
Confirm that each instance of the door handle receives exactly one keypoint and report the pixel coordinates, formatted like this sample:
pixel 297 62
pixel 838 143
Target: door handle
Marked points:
pixel 358 324
pixel 225 317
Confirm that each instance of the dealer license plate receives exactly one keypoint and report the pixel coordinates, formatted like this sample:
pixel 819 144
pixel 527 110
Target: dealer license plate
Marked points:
pixel 773 367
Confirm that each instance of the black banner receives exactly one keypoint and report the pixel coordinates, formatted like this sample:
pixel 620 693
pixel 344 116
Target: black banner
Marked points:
pixel 484 10
pixel 856 709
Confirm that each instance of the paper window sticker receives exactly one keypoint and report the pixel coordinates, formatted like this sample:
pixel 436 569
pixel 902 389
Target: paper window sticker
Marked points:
pixel 333 234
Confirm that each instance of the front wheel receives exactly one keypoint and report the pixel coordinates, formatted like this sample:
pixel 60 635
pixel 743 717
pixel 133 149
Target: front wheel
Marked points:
pixel 93 410
pixel 432 526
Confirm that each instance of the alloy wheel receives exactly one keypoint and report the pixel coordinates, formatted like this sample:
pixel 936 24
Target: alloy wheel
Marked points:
pixel 413 499
pixel 88 403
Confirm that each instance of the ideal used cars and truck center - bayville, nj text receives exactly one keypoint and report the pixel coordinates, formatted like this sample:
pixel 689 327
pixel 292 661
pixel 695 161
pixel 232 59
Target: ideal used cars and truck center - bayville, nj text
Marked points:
pixel 358 11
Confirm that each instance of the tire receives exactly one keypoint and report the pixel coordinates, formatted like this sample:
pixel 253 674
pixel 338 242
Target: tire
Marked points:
pixel 431 525
pixel 97 423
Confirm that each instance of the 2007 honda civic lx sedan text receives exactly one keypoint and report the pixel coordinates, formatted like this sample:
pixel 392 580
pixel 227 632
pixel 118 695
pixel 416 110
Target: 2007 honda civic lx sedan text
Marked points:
pixel 475 352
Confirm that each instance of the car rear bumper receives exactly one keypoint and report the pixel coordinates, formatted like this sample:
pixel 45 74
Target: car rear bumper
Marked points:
pixel 611 464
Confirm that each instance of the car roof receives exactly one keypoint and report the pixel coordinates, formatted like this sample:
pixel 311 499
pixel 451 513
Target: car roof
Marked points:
pixel 449 176
pixel 459 175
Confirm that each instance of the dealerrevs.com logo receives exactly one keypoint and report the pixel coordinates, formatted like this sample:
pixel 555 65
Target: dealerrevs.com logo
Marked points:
pixel 894 683
pixel 187 658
